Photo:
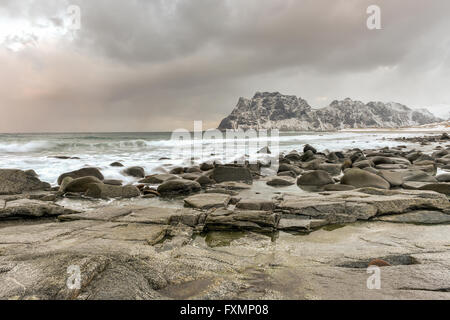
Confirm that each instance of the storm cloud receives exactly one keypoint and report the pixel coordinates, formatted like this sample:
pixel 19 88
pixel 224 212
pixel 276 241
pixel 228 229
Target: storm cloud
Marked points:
pixel 159 65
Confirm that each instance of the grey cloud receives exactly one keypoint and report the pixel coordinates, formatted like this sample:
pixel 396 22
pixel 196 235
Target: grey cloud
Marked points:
pixel 155 65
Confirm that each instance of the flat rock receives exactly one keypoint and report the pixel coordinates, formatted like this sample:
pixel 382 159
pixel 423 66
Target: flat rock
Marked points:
pixel 418 217
pixel 262 221
pixel 255 205
pixel 300 225
pixel 207 201
pixel 27 208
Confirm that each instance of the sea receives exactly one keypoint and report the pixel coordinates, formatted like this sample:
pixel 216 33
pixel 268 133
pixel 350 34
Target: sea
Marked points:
pixel 158 152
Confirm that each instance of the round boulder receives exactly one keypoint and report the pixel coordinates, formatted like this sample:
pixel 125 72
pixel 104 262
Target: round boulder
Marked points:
pixel 315 178
pixel 361 179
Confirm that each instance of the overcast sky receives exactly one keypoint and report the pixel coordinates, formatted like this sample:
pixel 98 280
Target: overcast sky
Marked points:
pixel 159 65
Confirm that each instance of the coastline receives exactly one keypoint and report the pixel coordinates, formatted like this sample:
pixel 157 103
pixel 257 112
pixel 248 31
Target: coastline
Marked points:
pixel 234 231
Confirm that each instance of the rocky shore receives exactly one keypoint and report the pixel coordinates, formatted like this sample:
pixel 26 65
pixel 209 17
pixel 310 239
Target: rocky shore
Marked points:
pixel 235 231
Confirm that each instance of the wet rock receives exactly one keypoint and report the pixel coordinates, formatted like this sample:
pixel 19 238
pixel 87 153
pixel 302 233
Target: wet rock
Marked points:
pixel 206 201
pixel 194 169
pixel 177 170
pixel 361 178
pixel 191 176
pixel 113 182
pixel 281 181
pixel 307 156
pixel 158 178
pixel 308 147
pixel 228 173
pixel 289 167
pixel 204 180
pixel 206 166
pixel 315 178
pixel 363 164
pixel 14 181
pixel 83 172
pixel 105 191
pixel 80 184
pixel 137 172
pixel 178 187
pixel 331 168
pixel 418 217
pixel 116 164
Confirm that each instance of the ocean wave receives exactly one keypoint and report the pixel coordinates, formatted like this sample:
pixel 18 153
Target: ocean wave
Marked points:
pixel 32 146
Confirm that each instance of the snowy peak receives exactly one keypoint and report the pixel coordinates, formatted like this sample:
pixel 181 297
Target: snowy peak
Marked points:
pixel 268 110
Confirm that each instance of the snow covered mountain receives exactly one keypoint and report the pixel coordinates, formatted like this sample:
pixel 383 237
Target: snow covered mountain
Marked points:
pixel 272 110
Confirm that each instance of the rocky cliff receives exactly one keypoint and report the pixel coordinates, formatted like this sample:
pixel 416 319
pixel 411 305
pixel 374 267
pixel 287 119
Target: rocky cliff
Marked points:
pixel 268 110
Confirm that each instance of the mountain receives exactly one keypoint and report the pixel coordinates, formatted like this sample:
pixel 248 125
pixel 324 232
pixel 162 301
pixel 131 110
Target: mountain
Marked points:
pixel 273 110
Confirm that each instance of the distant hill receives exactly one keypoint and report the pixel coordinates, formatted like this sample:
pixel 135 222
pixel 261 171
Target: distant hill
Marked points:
pixel 273 110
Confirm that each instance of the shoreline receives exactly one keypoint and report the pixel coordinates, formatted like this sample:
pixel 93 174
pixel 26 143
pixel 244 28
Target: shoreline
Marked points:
pixel 228 231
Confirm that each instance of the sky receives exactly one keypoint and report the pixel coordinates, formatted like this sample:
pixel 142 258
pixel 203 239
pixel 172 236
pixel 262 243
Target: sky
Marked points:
pixel 158 65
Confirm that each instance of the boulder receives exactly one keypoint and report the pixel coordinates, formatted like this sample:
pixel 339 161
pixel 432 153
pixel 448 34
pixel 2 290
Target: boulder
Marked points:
pixel 191 175
pixel 105 191
pixel 289 167
pixel 80 184
pixel 206 166
pixel 315 178
pixel 309 148
pixel 178 187
pixel 158 178
pixel 281 181
pixel 204 180
pixel 13 181
pixel 229 173
pixel 83 172
pixel 116 164
pixel 361 178
pixel 137 172
pixel 331 168
pixel 177 170
pixel 395 179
